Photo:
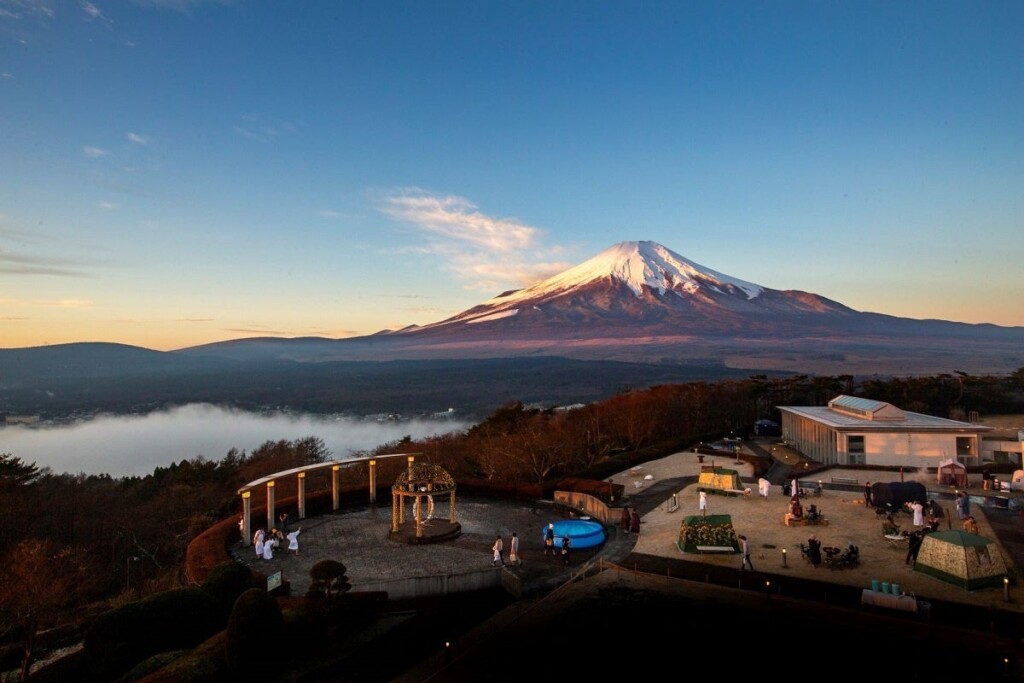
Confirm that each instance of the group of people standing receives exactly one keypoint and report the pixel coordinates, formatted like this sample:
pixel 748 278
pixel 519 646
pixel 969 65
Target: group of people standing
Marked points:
pixel 265 544
pixel 513 551
pixel 549 544
pixel 515 558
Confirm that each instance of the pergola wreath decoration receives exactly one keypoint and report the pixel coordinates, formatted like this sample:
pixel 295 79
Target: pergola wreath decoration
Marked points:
pixel 420 482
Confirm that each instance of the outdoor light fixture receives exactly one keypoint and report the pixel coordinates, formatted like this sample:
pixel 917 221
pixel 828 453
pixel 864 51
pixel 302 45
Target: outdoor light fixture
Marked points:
pixel 246 494
pixel 270 484
pixel 784 557
pixel 1006 589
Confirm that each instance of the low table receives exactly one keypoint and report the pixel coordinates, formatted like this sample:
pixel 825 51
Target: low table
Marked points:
pixel 904 603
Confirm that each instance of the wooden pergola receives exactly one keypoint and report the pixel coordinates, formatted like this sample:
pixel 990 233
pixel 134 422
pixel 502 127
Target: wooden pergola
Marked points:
pixel 421 482
pixel 335 466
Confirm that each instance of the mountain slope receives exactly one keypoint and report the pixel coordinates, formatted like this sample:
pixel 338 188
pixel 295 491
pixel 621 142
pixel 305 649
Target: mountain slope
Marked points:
pixel 639 301
pixel 640 289
pixel 636 313
pixel 639 286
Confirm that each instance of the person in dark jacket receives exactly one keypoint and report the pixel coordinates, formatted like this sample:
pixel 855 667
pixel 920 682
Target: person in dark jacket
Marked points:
pixel 814 550
pixel 916 538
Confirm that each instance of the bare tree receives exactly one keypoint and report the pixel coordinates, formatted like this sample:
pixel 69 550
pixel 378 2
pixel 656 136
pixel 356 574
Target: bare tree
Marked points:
pixel 38 583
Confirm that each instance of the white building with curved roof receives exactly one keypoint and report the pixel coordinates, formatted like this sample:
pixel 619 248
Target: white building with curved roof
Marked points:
pixel 861 431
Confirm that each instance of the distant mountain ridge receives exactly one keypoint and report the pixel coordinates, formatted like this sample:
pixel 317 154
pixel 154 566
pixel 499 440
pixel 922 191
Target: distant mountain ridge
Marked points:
pixel 637 303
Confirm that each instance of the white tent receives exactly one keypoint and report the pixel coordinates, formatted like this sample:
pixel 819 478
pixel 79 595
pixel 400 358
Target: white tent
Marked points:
pixel 952 472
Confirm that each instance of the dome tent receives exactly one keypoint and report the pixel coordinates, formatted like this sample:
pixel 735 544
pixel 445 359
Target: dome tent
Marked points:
pixel 963 559
pixel 719 480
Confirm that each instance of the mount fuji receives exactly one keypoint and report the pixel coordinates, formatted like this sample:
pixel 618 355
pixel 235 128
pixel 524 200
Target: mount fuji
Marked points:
pixel 639 301
pixel 635 289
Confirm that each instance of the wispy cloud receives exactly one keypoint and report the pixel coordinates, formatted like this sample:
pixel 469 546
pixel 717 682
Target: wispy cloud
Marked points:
pixel 182 5
pixel 328 213
pixel 489 275
pixel 255 128
pixel 136 138
pixel 94 152
pixel 13 263
pixel 94 13
pixel 59 303
pixel 26 9
pixel 108 206
pixel 457 218
pixel 485 252
pixel 91 10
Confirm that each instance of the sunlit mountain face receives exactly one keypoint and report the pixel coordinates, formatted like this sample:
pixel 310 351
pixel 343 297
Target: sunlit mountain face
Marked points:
pixel 636 289
pixel 642 302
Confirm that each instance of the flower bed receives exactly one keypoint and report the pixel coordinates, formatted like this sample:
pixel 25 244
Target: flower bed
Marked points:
pixel 713 530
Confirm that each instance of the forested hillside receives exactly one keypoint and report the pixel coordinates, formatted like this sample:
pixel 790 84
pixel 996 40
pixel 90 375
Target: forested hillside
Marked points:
pixel 102 538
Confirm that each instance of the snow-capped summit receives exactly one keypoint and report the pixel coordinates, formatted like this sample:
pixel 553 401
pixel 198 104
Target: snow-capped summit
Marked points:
pixel 636 289
pixel 638 265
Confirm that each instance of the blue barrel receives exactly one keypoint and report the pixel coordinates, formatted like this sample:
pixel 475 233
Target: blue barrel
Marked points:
pixel 885 586
pixel 876 585
pixel 895 589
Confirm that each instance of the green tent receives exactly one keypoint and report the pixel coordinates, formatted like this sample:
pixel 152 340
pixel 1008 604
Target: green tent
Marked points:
pixel 719 480
pixel 962 559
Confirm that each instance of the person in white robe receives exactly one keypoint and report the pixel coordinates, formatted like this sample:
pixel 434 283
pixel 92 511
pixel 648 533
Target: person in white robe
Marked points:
pixel 268 549
pixel 293 541
pixel 918 511
pixel 258 542
pixel 763 486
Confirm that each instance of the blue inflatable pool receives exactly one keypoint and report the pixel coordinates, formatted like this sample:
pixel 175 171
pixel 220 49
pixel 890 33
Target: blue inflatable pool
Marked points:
pixel 582 533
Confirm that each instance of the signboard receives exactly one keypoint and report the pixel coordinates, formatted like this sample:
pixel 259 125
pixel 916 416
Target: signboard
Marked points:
pixel 273 581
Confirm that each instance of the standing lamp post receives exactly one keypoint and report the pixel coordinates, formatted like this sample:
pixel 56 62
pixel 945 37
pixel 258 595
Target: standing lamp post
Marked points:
pixel 784 558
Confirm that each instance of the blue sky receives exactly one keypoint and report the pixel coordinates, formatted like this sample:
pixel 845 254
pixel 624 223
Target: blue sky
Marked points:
pixel 179 172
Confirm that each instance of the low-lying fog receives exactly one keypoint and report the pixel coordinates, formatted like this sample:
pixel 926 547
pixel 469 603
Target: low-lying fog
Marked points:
pixel 135 445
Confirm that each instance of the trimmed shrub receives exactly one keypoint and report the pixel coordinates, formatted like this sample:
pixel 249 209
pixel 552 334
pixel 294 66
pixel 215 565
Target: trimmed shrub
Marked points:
pixel 209 549
pixel 172 620
pixel 226 582
pixel 329 580
pixel 255 623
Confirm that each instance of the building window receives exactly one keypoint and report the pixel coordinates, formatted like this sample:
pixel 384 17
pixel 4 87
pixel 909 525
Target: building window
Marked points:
pixel 855 445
